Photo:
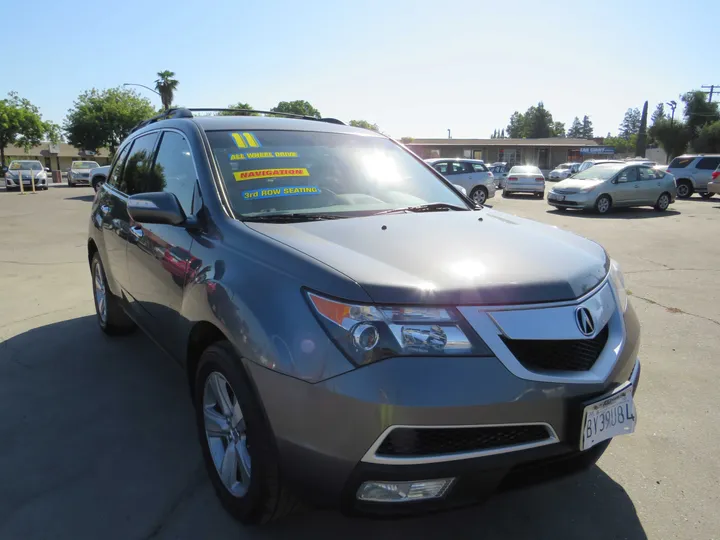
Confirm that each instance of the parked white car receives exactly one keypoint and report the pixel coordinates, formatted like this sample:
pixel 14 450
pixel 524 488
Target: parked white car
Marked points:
pixel 26 171
pixel 562 171
pixel 471 174
pixel 98 176
pixel 79 173
pixel 692 174
pixel 500 171
pixel 525 179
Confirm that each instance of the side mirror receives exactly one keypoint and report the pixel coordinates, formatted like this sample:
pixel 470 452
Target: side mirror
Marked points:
pixel 160 207
pixel 622 179
pixel 47 169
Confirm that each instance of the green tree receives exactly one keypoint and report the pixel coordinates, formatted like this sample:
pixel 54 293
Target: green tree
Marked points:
pixel 558 129
pixel 641 144
pixel 103 118
pixel 502 133
pixel 673 137
pixel 236 106
pixel 166 86
pixel 516 127
pixel 621 144
pixel 708 139
pixel 494 134
pixel 406 140
pixel 631 123
pixel 20 123
pixel 539 122
pixel 575 130
pixel 698 111
pixel 364 124
pixel 586 131
pixel 301 107
pixel 658 113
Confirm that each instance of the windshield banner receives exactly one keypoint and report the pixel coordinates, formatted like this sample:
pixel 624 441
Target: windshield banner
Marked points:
pixel 241 176
pixel 288 191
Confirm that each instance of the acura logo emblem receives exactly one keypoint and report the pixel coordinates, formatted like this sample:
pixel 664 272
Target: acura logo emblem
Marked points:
pixel 584 320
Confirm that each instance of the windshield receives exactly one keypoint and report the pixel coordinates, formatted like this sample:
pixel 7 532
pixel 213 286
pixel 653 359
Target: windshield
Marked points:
pixel 525 169
pixel 602 171
pixel 328 173
pixel 25 166
pixel 84 165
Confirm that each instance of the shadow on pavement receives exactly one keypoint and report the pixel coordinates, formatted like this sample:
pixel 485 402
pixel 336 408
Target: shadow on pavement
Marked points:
pixel 618 213
pixel 99 441
pixel 86 198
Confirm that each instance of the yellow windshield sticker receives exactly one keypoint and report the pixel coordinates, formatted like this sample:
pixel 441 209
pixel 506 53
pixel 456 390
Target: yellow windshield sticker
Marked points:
pixel 289 191
pixel 245 140
pixel 262 155
pixel 241 176
pixel 14 166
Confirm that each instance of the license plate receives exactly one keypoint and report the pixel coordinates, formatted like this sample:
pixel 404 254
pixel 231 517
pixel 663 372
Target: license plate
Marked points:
pixel 609 417
pixel 553 197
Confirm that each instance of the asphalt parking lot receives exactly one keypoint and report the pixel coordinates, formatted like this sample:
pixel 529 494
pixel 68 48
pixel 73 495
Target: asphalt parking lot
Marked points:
pixel 97 435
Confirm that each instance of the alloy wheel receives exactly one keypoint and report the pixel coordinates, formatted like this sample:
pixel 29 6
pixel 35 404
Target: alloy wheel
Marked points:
pixel 100 293
pixel 663 202
pixel 226 434
pixel 683 190
pixel 479 196
pixel 603 205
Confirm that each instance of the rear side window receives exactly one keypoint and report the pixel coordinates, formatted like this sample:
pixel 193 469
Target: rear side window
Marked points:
pixel 118 167
pixel 646 173
pixel 139 176
pixel 479 167
pixel 441 167
pixel 680 163
pixel 708 163
pixel 459 167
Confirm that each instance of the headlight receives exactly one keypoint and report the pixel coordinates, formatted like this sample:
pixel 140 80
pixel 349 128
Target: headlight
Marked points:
pixel 587 189
pixel 369 333
pixel 618 282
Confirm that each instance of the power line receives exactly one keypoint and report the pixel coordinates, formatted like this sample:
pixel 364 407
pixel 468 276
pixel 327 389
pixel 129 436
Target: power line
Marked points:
pixel 712 91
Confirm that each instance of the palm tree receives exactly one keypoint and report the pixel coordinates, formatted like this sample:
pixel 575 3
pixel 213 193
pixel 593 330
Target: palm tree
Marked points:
pixel 166 87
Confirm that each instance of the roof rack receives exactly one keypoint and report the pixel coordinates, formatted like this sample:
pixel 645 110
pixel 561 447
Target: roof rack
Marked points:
pixel 182 112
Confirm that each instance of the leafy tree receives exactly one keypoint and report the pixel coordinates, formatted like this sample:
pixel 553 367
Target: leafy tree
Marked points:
pixel 621 144
pixel 539 122
pixel 20 123
pixel 54 133
pixel 587 128
pixel 641 144
pixel 558 129
pixel 364 124
pixel 166 86
pixel 494 135
pixel 708 139
pixel 516 127
pixel 575 130
pixel 698 111
pixel 238 105
pixel 103 118
pixel 406 140
pixel 502 133
pixel 673 137
pixel 658 113
pixel 631 123
pixel 299 106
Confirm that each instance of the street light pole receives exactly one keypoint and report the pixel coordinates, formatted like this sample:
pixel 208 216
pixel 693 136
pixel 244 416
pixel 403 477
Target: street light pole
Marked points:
pixel 672 105
pixel 143 86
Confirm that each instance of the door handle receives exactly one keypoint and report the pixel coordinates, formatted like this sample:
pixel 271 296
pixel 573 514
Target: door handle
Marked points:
pixel 104 209
pixel 137 231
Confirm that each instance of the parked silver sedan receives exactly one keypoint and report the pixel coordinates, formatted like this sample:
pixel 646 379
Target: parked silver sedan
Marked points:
pixel 525 179
pixel 610 185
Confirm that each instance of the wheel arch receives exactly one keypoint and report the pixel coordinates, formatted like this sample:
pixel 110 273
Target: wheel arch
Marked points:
pixel 92 250
pixel 202 335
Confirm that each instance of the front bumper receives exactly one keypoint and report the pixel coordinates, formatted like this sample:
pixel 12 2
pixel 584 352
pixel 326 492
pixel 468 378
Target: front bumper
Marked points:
pixel 77 180
pixel 13 183
pixel 573 200
pixel 326 432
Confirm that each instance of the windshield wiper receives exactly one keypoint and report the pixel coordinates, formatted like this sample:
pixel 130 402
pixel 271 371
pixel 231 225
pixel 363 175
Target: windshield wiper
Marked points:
pixel 291 217
pixel 430 207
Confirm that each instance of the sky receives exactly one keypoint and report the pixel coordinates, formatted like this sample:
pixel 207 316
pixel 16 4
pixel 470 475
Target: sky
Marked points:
pixel 414 67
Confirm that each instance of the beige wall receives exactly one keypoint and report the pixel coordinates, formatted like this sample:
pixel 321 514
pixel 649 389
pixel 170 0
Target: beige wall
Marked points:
pixel 490 154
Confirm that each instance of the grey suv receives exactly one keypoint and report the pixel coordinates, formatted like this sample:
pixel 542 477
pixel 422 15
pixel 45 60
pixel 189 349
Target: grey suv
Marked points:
pixel 355 332
pixel 692 174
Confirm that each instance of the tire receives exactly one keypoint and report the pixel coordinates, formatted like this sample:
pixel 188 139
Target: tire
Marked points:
pixel 603 204
pixel 71 184
pixel 684 189
pixel 111 317
pixel 257 494
pixel 540 196
pixel 505 194
pixel 707 195
pixel 479 195
pixel 663 202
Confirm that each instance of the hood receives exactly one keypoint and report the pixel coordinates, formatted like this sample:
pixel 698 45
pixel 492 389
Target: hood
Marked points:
pixel 572 185
pixel 455 258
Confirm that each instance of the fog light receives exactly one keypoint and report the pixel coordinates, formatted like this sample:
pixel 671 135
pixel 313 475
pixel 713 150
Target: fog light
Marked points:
pixel 365 336
pixel 404 491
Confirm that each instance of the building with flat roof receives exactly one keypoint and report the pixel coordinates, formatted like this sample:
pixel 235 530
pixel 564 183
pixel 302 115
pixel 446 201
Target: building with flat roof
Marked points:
pixel 57 157
pixel 545 153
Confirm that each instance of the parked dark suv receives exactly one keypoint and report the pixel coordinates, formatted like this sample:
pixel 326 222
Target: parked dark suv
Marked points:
pixel 354 330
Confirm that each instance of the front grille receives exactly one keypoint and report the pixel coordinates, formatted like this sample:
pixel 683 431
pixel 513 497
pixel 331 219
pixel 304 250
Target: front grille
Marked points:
pixel 418 442
pixel 558 355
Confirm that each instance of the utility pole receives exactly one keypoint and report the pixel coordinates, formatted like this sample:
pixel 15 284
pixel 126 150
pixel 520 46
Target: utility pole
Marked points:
pixel 449 135
pixel 712 90
pixel 672 105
